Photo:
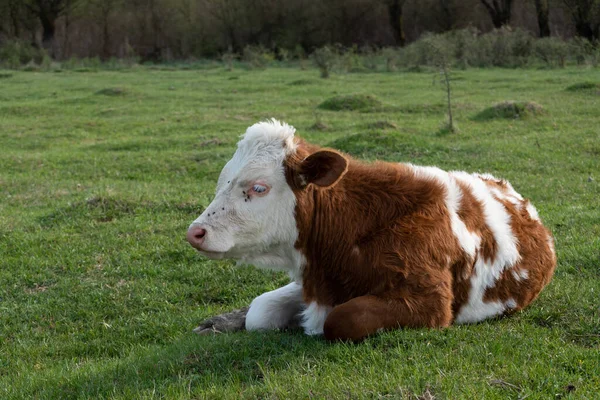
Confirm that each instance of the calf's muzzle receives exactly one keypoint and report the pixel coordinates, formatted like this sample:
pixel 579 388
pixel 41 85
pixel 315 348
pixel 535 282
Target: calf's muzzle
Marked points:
pixel 196 235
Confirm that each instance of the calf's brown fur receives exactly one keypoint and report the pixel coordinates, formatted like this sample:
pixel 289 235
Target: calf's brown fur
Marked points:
pixel 380 249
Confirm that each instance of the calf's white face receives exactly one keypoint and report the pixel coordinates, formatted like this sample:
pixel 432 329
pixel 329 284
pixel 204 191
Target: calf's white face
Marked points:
pixel 253 208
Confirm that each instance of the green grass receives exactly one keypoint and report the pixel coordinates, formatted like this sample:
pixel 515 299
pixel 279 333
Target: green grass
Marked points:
pixel 99 291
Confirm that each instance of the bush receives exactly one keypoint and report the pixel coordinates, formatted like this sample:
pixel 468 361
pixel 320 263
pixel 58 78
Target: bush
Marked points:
pixel 437 50
pixel 228 58
pixel 467 48
pixel 416 54
pixel 552 51
pixel 391 57
pixel 257 56
pixel 350 59
pixel 370 58
pixel 300 54
pixel 16 53
pixel 283 54
pixel 503 48
pixel 324 59
pixel 464 43
pixel 585 52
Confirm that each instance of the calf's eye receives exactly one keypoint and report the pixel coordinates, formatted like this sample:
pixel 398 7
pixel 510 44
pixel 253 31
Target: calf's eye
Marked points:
pixel 259 188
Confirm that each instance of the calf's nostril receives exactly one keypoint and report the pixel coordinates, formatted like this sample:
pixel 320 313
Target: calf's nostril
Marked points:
pixel 199 234
pixel 196 236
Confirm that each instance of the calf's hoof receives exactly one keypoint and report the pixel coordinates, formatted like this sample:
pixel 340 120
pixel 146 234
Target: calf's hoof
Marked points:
pixel 229 322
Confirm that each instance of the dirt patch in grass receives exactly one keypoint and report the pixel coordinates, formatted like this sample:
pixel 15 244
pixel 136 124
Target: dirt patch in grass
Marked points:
pixel 510 110
pixel 319 126
pixel 429 109
pixel 593 87
pixel 382 125
pixel 105 209
pixel 301 82
pixel 37 288
pixel 115 91
pixel 587 340
pixel 352 102
pixel 546 320
pixel 211 142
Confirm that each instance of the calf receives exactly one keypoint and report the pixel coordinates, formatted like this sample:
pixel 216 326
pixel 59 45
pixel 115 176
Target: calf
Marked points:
pixel 371 246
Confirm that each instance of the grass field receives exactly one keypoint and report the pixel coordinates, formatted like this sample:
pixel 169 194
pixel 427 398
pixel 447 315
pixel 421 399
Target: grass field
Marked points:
pixel 102 172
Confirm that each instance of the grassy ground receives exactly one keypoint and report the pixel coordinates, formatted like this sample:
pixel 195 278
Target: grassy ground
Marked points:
pixel 102 172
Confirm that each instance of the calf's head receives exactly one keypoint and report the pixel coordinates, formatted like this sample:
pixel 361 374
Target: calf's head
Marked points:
pixel 254 205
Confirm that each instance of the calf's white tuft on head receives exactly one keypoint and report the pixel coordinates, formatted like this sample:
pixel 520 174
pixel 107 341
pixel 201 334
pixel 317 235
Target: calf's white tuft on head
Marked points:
pixel 253 210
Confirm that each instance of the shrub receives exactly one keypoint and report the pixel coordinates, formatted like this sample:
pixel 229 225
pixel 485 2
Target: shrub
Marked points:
pixel 552 51
pixel 466 47
pixel 391 57
pixel 441 53
pixel 300 54
pixel 283 54
pixel 46 62
pixel 504 47
pixel 324 59
pixel 228 57
pixel 370 57
pixel 585 51
pixel 257 56
pixel 89 64
pixel 522 47
pixel 16 53
pixel 464 44
pixel 351 60
pixel 416 54
pixel 437 50
pixel 70 63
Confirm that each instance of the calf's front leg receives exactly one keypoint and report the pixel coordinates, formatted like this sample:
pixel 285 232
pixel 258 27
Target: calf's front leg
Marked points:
pixel 276 309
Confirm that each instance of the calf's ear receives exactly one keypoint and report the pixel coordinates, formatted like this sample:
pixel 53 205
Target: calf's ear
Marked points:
pixel 323 168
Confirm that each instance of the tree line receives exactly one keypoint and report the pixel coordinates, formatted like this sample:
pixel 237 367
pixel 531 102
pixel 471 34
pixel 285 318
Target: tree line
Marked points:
pixel 182 29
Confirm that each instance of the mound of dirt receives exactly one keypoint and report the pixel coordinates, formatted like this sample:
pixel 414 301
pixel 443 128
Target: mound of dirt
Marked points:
pixel 584 87
pixel 116 91
pixel 319 126
pixel 510 110
pixel 382 125
pixel 352 102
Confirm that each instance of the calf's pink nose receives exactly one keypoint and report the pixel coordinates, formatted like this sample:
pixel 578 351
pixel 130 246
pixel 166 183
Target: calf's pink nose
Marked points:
pixel 195 236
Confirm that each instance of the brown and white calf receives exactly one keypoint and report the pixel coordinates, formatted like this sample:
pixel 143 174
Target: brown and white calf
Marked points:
pixel 371 246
